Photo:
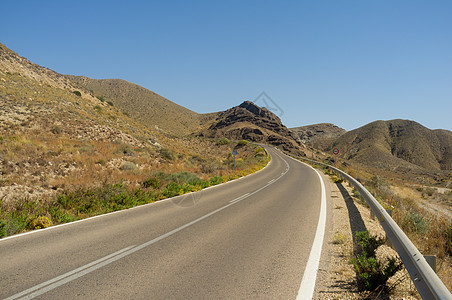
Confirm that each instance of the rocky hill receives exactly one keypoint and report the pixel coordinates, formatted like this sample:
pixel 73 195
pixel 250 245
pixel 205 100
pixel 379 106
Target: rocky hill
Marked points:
pixel 144 105
pixel 251 122
pixel 397 144
pixel 318 135
pixel 58 134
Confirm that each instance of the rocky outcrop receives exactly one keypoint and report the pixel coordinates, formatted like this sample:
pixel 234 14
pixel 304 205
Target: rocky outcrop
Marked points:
pixel 257 124
pixel 318 135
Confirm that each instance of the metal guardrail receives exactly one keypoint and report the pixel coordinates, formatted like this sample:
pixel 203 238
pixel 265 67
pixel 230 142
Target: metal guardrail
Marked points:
pixel 424 278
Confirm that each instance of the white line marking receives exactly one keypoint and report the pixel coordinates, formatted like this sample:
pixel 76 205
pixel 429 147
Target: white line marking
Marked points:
pixel 61 277
pixel 239 198
pixel 271 181
pixel 307 286
pixel 88 268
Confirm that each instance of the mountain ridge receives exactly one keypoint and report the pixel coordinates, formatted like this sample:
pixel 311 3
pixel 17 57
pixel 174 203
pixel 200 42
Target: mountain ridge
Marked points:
pixel 396 143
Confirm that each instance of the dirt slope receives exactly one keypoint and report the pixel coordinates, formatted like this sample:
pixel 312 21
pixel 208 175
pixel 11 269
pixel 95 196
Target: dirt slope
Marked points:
pixel 144 105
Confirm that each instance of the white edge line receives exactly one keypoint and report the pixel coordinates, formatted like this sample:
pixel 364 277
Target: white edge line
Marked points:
pixel 119 211
pixel 307 286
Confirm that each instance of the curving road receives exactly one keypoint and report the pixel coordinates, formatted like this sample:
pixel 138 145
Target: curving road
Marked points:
pixel 250 238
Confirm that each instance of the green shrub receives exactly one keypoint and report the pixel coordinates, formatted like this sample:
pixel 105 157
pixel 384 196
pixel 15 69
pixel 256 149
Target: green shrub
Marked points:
pixel 242 143
pixel 3 227
pixel 223 141
pixel 337 179
pixel 125 149
pixel 18 221
pixel 172 189
pixel 153 182
pixel 429 191
pixel 56 129
pixel 110 103
pixel 166 154
pixel 77 93
pixel 101 98
pixel 41 222
pixel 368 244
pixel 259 152
pixel 216 180
pixel 371 273
pixel 98 108
pixel 416 222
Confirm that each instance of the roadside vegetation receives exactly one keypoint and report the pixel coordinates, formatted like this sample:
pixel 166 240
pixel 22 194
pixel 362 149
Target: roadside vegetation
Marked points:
pixel 68 153
pixel 373 273
pixel 430 230
pixel 421 211
pixel 126 186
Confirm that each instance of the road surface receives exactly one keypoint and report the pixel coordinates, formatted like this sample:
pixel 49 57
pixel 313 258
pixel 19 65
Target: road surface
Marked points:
pixel 250 238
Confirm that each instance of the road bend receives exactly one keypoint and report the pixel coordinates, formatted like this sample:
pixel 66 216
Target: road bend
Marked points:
pixel 249 238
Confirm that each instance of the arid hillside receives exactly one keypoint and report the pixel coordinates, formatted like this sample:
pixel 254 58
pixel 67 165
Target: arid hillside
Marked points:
pixel 397 144
pixel 58 138
pixel 251 122
pixel 318 135
pixel 144 105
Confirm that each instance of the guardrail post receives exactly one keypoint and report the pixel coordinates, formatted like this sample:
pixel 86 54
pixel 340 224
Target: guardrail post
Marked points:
pixel 388 241
pixel 431 260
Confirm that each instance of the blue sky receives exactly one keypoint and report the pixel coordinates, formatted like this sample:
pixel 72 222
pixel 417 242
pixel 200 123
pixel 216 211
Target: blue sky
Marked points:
pixel 344 62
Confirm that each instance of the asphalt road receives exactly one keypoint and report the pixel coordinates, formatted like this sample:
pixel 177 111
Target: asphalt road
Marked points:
pixel 250 238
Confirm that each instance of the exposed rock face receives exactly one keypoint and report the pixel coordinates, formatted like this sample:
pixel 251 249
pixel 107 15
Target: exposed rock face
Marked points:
pixel 251 122
pixel 318 135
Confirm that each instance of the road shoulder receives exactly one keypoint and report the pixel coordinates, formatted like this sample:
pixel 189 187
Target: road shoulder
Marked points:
pixel 336 278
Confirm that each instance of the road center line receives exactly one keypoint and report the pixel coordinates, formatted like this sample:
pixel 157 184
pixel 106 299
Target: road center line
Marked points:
pixel 62 277
pixel 88 268
pixel 239 198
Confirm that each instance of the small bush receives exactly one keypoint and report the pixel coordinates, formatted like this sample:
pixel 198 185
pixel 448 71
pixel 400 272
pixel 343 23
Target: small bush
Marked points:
pixel 223 141
pixel 77 93
pixel 153 182
pixel 56 129
pixel 259 152
pixel 368 244
pixel 338 239
pixel 337 179
pixel 98 108
pixel 166 154
pixel 429 191
pixel 216 180
pixel 416 222
pixel 126 150
pixel 110 103
pixel 128 166
pixel 101 98
pixel 3 227
pixel 371 273
pixel 242 143
pixel 41 222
